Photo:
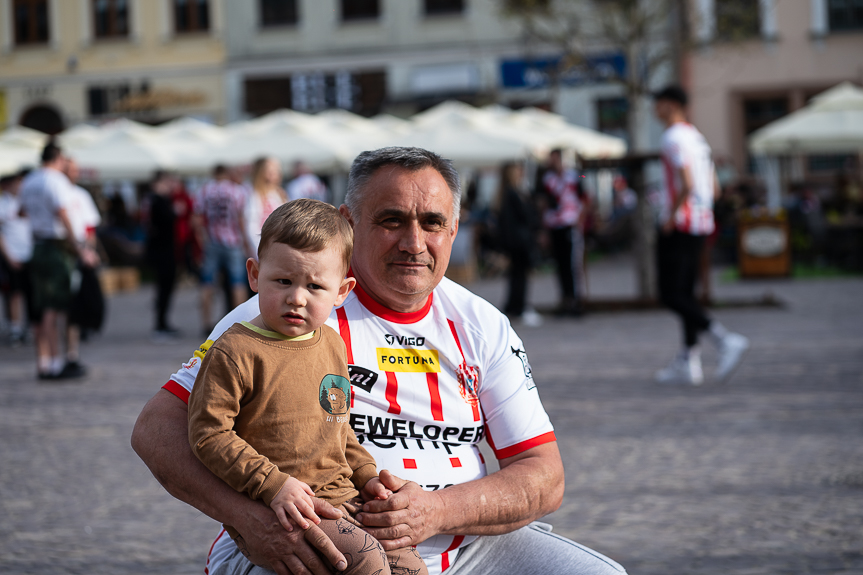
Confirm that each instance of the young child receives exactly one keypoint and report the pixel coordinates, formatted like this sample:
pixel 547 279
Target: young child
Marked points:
pixel 270 406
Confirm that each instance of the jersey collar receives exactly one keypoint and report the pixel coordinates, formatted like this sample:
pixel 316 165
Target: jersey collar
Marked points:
pixel 386 313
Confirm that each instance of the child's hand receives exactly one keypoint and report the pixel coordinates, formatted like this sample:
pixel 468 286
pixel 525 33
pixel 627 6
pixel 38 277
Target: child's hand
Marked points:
pixel 294 500
pixel 374 489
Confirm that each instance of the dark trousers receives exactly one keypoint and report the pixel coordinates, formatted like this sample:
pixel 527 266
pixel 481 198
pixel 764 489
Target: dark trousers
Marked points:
pixel 678 257
pixel 165 268
pixel 561 250
pixel 519 266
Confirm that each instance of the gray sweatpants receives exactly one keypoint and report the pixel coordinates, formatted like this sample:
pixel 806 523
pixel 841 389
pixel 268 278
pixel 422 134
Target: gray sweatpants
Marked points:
pixel 531 550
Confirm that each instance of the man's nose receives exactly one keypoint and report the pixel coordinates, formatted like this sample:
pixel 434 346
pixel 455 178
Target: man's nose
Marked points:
pixel 413 239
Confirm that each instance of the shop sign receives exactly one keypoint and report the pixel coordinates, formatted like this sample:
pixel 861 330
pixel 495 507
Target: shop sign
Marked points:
pixel 764 241
pixel 159 98
pixel 538 72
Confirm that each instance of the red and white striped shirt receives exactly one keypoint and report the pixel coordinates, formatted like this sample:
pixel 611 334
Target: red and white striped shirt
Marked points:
pixel 561 187
pixel 222 203
pixel 684 146
pixel 426 388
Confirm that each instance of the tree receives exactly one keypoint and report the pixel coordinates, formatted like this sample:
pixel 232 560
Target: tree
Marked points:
pixel 646 32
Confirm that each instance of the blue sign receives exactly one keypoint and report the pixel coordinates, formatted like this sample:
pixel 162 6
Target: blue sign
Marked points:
pixel 537 72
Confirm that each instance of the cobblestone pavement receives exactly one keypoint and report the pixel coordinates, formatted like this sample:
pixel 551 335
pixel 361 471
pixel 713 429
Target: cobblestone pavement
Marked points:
pixel 763 474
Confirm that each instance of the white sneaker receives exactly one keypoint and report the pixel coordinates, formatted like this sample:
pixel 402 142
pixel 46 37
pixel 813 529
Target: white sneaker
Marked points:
pixel 732 347
pixel 530 318
pixel 682 370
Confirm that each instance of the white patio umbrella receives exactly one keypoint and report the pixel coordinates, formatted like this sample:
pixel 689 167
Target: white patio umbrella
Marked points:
pixel 831 124
pixel 20 148
pixel 285 135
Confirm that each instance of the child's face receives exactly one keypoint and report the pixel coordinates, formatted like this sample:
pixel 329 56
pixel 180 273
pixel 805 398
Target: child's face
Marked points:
pixel 298 289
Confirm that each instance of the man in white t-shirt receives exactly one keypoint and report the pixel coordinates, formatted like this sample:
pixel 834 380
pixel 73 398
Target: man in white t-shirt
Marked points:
pixel 686 219
pixel 434 369
pixel 45 195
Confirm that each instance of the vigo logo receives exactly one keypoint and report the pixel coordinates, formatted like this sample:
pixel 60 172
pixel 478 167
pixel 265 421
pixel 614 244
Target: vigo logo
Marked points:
pixel 404 340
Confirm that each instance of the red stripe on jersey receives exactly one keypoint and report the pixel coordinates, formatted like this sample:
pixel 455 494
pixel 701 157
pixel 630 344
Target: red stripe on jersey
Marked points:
pixel 434 393
pixel 456 541
pixel 392 393
pixel 455 335
pixel 410 463
pixel 177 389
pixel 345 332
pixel 455 461
pixel 524 445
pixel 481 458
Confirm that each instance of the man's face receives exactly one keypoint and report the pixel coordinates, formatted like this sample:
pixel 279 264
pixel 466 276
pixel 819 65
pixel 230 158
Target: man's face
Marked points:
pixel 403 236
pixel 663 109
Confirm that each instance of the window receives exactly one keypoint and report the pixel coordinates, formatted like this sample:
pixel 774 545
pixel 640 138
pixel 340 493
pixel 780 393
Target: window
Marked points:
pixel 103 99
pixel 434 7
pixel 737 20
pixel 31 21
pixel 110 18
pixel 191 15
pixel 845 14
pixel 612 117
pixel 278 13
pixel 757 113
pixel 362 93
pixel 360 9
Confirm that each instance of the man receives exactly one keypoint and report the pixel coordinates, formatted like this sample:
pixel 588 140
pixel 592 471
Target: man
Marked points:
pixel 161 251
pixel 220 224
pixel 88 305
pixel 686 219
pixel 434 368
pixel 563 216
pixel 45 196
pixel 16 249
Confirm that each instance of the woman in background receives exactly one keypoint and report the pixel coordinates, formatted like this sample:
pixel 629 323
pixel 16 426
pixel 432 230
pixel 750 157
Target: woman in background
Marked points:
pixel 267 195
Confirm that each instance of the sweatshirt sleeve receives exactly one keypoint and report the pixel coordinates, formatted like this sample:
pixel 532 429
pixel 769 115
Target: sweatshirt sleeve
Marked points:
pixel 213 405
pixel 360 461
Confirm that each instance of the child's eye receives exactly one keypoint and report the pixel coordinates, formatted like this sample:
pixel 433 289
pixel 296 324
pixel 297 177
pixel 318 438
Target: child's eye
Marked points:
pixel 315 286
pixel 284 282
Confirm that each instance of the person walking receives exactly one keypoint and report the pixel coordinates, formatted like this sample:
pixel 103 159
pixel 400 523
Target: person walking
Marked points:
pixel 686 219
pixel 45 195
pixel 518 224
pixel 267 195
pixel 16 249
pixel 562 217
pixel 221 227
pixel 161 251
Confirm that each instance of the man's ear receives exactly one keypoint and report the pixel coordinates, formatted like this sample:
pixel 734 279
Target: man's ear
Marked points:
pixel 252 270
pixel 347 285
pixel 346 213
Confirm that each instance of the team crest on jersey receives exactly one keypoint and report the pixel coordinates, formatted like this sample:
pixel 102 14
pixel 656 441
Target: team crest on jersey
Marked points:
pixel 191 364
pixel 468 383
pixel 335 392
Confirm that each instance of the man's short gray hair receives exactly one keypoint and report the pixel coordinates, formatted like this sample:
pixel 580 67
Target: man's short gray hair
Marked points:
pixel 367 163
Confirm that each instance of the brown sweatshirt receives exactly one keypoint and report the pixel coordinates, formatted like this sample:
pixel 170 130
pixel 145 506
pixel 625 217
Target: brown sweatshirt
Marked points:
pixel 264 409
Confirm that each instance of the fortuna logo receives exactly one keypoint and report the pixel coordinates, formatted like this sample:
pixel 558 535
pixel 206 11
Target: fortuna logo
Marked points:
pixel 404 340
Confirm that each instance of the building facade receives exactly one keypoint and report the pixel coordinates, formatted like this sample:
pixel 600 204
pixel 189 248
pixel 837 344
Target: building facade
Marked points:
pixel 398 57
pixel 68 61
pixel 759 61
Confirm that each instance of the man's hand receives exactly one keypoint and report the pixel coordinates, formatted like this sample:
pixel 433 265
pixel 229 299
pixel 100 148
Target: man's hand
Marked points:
pixel 265 542
pixel 406 518
pixel 294 501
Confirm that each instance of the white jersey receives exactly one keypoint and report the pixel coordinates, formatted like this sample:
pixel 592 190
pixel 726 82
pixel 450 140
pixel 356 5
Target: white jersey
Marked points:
pixel 684 146
pixel 426 388
pixel 307 186
pixel 15 229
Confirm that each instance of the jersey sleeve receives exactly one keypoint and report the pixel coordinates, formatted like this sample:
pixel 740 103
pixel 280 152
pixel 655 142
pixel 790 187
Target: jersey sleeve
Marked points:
pixel 672 149
pixel 182 381
pixel 213 406
pixel 514 416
